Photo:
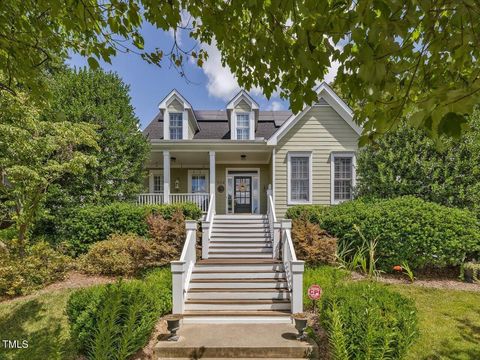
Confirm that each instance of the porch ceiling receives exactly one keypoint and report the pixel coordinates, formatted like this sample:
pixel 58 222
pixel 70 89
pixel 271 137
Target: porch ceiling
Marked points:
pixel 200 159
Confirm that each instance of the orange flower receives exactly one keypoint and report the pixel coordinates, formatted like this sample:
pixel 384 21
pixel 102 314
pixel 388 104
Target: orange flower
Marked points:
pixel 397 268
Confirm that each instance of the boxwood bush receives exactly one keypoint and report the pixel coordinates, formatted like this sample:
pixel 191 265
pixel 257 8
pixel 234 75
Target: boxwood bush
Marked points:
pixel 118 318
pixel 84 226
pixel 368 321
pixel 408 229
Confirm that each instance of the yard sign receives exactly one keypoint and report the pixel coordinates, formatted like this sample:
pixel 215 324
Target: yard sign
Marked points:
pixel 314 293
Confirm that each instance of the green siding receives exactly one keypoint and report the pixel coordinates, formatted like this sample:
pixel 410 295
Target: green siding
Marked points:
pixel 322 131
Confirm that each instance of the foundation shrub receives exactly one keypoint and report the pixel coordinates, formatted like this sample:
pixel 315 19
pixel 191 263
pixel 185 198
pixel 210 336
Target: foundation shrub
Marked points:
pixel 129 254
pixel 408 229
pixel 313 244
pixel 82 227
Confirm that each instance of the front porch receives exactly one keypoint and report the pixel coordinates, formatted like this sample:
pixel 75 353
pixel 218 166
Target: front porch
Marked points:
pixel 235 181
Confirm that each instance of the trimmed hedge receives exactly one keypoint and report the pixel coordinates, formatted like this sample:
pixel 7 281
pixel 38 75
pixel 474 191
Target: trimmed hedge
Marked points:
pixel 408 229
pixel 368 321
pixel 84 226
pixel 118 318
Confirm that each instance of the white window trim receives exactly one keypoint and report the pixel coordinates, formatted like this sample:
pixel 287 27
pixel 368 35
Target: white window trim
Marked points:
pixel 198 172
pixel 332 173
pixel 251 120
pixel 150 180
pixel 166 124
pixel 291 154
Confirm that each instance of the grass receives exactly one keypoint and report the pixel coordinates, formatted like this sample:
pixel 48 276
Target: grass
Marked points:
pixel 41 321
pixel 449 323
pixel 449 320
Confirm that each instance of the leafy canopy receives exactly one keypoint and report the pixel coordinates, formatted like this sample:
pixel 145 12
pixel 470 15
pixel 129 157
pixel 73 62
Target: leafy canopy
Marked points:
pixel 34 153
pixel 414 58
pixel 100 99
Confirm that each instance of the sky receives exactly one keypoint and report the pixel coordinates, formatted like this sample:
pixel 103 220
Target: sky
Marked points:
pixel 208 88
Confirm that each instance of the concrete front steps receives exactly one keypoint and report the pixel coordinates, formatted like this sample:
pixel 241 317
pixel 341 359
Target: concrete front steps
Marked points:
pixel 236 341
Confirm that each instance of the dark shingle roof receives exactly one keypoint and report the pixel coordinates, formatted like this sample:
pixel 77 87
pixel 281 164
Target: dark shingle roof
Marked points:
pixel 214 124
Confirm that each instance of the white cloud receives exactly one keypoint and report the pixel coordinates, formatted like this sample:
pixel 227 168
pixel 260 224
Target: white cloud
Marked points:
pixel 332 72
pixel 275 106
pixel 221 82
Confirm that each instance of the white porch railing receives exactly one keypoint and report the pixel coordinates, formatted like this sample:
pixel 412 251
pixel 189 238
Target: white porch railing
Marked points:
pixel 274 224
pixel 150 199
pixel 293 268
pixel 201 199
pixel 182 269
pixel 207 226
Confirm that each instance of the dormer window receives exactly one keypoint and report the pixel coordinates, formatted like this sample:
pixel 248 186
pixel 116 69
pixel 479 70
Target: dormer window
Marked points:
pixel 242 113
pixel 243 126
pixel 179 119
pixel 176 125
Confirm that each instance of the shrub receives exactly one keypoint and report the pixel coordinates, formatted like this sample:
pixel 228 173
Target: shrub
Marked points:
pixel 408 230
pixel 118 318
pixel 84 226
pixel 368 321
pixel 120 254
pixel 167 235
pixel 40 266
pixel 127 254
pixel 313 244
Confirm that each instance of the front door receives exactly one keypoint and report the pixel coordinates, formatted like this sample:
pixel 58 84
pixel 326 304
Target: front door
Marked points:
pixel 243 194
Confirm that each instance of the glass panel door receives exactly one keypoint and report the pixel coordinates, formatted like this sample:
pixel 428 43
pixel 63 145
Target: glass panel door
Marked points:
pixel 243 194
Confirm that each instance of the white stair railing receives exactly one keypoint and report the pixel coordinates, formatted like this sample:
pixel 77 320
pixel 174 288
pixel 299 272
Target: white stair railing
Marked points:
pixel 293 268
pixel 207 226
pixel 275 226
pixel 182 269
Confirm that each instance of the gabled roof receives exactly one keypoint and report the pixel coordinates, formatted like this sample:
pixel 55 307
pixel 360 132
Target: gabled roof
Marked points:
pixel 325 92
pixel 242 95
pixel 175 94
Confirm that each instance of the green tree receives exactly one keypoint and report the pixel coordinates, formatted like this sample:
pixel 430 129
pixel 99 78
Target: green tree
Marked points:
pixel 101 99
pixel 34 153
pixel 397 57
pixel 407 162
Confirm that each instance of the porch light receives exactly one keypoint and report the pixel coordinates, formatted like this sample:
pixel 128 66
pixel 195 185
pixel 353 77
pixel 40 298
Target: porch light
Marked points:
pixel 243 157
pixel 177 184
pixel 173 158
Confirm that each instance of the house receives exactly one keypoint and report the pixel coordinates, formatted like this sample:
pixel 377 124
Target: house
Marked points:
pixel 244 167
pixel 237 153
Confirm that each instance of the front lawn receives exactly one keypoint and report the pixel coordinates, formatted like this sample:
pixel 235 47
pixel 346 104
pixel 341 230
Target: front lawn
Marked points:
pixel 449 323
pixel 41 320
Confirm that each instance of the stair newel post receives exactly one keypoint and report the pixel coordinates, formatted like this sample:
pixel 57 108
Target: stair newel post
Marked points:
pixel 178 275
pixel 297 268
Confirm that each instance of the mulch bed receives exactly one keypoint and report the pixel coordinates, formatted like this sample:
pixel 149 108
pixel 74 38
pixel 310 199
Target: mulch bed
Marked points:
pixel 320 335
pixel 73 280
pixel 428 280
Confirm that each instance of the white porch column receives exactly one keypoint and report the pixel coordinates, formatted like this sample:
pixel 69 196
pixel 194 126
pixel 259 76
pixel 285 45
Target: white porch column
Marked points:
pixel 212 174
pixel 166 177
